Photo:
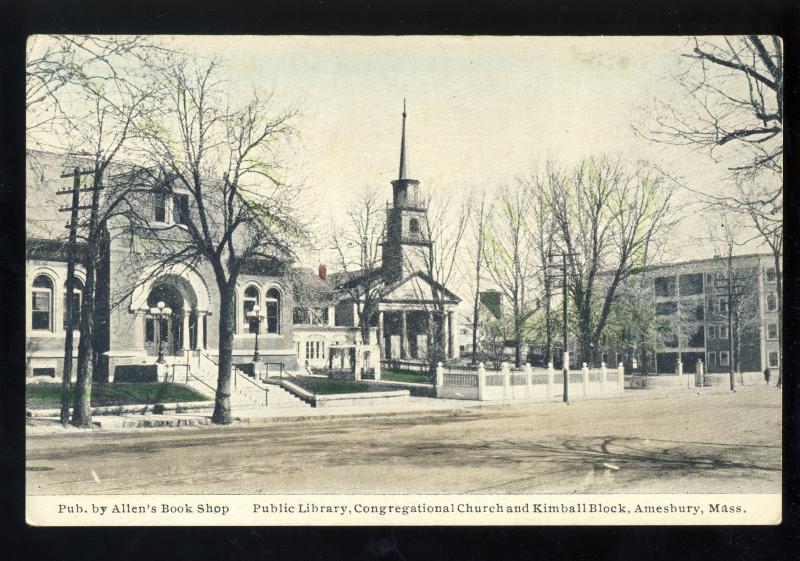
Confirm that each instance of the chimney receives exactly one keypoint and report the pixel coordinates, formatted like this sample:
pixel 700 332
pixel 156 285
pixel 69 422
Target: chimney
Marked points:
pixel 323 272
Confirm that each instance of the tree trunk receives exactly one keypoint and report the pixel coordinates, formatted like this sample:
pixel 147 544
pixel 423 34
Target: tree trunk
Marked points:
pixel 547 322
pixel 364 321
pixel 475 322
pixel 222 400
pixel 779 290
pixel 82 406
pixel 517 331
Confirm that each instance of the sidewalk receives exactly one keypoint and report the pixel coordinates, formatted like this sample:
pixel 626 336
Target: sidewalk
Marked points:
pixel 48 425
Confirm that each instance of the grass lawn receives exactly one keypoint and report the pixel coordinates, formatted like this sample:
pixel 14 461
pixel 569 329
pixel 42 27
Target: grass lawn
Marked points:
pixel 405 376
pixel 48 396
pixel 322 386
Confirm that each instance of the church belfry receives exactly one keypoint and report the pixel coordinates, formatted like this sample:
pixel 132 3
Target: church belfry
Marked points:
pixel 407 245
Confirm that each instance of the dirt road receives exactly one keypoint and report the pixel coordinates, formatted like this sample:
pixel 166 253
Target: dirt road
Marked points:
pixel 710 443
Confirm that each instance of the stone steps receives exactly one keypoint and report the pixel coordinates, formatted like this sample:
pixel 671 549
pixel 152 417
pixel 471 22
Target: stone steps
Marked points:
pixel 247 395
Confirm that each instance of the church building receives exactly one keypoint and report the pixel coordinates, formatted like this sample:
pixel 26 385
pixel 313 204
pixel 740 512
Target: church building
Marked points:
pixel 409 299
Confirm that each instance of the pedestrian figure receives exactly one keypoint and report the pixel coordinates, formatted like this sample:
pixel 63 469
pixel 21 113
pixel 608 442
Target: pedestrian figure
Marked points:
pixel 766 376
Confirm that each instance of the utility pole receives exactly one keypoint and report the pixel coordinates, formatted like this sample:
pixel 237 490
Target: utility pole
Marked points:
pixel 66 377
pixel 733 290
pixel 565 304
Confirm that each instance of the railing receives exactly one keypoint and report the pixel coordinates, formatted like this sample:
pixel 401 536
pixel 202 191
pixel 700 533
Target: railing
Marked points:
pixel 280 369
pixel 460 380
pixel 190 375
pixel 405 364
pixel 174 367
pixel 526 383
pixel 237 373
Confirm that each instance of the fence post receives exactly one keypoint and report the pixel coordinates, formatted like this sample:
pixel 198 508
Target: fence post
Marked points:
pixel 527 380
pixel 603 374
pixel 701 372
pixel 585 377
pixel 439 378
pixel 550 374
pixel 506 371
pixel 481 381
pixel 621 377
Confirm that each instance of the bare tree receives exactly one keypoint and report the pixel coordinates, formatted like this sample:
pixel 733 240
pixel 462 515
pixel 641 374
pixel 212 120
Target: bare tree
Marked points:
pixel 478 238
pixel 511 257
pixel 96 93
pixel 445 227
pixel 734 286
pixel 241 208
pixel 358 248
pixel 544 232
pixel 735 89
pixel 611 221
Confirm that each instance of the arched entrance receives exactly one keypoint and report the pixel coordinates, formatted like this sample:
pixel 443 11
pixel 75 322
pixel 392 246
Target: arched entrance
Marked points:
pixel 168 330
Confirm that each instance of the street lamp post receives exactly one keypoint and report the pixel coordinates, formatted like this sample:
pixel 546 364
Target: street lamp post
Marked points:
pixel 255 316
pixel 160 312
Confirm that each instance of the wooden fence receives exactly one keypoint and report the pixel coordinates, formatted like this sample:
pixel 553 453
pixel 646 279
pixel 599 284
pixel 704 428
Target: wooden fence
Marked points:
pixel 527 384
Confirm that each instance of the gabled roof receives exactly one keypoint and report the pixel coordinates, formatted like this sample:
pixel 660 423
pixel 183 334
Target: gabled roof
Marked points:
pixel 405 289
pixel 417 287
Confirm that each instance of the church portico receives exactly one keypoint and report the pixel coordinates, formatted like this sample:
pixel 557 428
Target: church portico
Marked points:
pixel 404 331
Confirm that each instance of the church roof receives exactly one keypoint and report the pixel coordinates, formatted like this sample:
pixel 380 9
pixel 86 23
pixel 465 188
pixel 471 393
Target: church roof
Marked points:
pixel 417 287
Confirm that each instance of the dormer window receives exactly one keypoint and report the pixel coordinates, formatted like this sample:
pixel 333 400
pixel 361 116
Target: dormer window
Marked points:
pixel 159 207
pixel 180 209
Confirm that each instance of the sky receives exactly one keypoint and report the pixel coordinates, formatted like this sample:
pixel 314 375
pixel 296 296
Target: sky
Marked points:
pixel 481 110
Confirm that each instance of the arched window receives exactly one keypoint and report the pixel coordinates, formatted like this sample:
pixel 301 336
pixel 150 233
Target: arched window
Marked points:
pixel 250 301
pixel 74 302
pixel 414 226
pixel 273 302
pixel 42 304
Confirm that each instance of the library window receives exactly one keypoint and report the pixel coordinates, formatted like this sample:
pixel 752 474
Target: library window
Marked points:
pixel 159 207
pixel 724 359
pixel 723 331
pixel 42 304
pixel 180 209
pixel 73 303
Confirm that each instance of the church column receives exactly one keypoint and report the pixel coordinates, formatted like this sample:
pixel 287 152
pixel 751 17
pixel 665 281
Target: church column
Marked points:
pixel 381 339
pixel 449 334
pixel 200 323
pixel 403 335
pixel 138 331
pixel 185 334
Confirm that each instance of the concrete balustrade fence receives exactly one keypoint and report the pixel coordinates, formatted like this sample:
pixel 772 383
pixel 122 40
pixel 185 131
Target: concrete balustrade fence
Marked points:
pixel 527 384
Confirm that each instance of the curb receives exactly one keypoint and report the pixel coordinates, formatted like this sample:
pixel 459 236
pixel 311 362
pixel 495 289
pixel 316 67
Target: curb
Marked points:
pixel 169 421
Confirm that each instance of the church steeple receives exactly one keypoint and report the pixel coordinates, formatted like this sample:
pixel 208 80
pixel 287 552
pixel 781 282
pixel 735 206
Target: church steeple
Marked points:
pixel 404 188
pixel 403 145
pixel 406 242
